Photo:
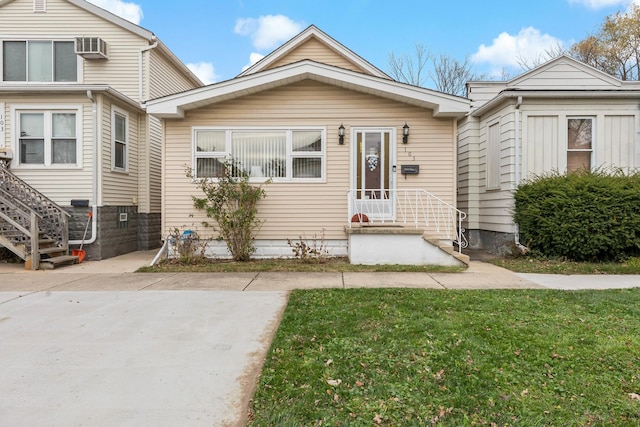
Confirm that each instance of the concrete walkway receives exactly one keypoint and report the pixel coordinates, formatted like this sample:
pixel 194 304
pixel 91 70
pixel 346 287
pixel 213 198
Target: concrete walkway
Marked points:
pixel 94 344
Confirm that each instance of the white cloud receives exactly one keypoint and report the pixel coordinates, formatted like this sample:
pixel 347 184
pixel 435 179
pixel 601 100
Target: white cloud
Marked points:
pixel 269 31
pixel 507 50
pixel 598 4
pixel 130 11
pixel 253 58
pixel 205 71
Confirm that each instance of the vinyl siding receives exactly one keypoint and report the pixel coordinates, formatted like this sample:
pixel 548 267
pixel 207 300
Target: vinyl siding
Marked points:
pixel 164 78
pixel 317 51
pixel 63 20
pixel 469 171
pixel 155 165
pixel 481 92
pixel 495 205
pixel 119 188
pixel 293 209
pixel 563 76
pixel 616 143
pixel 59 184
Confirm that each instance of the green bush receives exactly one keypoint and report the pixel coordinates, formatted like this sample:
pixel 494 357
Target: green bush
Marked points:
pixel 232 202
pixel 582 216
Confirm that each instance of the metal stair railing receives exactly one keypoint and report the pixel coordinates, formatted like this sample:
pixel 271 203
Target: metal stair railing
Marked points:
pixel 21 204
pixel 417 207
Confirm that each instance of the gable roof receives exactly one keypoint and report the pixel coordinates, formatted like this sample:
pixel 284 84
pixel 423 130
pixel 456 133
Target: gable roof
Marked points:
pixel 563 77
pixel 175 106
pixel 314 32
pixel 133 28
pixel 568 72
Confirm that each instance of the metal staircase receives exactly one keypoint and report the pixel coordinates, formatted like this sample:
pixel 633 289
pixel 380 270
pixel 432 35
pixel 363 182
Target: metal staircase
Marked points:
pixel 32 226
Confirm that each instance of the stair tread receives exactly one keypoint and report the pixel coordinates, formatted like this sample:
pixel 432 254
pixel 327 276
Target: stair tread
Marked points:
pixel 53 249
pixel 60 259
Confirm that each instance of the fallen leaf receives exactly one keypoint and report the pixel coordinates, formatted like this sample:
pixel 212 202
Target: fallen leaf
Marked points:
pixel 359 383
pixel 634 396
pixel 524 392
pixel 328 362
pixel 377 419
pixel 334 382
pixel 336 397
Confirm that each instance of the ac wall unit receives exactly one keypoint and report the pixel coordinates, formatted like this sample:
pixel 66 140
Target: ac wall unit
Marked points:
pixel 91 47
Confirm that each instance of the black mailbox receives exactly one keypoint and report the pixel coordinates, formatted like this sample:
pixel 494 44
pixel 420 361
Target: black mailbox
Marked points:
pixel 410 169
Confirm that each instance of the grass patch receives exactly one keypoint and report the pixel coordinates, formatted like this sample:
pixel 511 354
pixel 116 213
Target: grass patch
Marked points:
pixel 337 264
pixel 547 266
pixel 453 358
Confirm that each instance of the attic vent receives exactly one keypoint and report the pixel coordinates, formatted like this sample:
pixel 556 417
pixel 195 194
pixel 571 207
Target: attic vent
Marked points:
pixel 91 47
pixel 39 5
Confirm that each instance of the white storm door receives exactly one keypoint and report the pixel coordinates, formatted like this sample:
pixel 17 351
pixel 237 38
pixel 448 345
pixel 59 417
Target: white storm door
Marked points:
pixel 372 171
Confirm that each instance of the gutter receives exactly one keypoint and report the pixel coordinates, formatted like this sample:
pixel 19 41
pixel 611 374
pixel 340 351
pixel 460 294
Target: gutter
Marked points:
pixel 516 178
pixel 142 52
pixel 94 196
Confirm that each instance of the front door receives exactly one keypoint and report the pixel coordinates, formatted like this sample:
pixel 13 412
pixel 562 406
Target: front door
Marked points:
pixel 372 173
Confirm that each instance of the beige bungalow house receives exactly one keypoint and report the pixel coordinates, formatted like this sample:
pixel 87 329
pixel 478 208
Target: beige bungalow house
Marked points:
pixel 560 116
pixel 74 135
pixel 360 161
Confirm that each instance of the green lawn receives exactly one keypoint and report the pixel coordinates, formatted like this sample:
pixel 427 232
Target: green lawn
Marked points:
pixel 397 357
pixel 336 264
pixel 554 266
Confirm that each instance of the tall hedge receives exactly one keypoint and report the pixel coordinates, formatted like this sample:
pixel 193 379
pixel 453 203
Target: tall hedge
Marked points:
pixel 582 216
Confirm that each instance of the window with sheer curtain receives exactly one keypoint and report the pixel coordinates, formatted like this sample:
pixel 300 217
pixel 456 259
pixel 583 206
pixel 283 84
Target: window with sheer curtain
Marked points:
pixel 579 143
pixel 39 61
pixel 47 138
pixel 287 154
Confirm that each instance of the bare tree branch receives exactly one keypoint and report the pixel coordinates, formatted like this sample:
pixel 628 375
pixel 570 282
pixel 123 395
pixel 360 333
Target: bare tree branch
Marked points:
pixel 451 75
pixel 410 68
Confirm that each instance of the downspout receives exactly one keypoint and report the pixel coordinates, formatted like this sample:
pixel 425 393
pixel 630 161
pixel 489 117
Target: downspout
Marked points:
pixel 517 169
pixel 94 196
pixel 142 51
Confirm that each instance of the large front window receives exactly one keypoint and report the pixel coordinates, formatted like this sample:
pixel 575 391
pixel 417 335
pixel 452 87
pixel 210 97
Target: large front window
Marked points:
pixel 39 61
pixel 281 154
pixel 579 143
pixel 47 138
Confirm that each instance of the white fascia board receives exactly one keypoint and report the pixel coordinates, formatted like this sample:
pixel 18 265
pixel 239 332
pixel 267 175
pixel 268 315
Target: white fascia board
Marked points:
pixel 69 89
pixel 443 105
pixel 108 16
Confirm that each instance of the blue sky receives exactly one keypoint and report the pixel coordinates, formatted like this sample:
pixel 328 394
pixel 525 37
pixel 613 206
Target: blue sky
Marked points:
pixel 218 38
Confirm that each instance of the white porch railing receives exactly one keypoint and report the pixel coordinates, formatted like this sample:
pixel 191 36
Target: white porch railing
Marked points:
pixel 418 208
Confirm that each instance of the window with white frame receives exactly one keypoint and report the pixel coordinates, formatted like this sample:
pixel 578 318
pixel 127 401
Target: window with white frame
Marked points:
pixel 579 143
pixel 39 61
pixel 281 154
pixel 48 138
pixel 120 149
pixel 493 157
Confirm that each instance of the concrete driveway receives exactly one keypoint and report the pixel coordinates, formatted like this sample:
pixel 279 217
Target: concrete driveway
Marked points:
pixel 123 358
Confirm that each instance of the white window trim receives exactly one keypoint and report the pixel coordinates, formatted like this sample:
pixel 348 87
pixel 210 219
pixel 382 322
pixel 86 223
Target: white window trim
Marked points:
pixel 121 112
pixel 490 186
pixel 591 150
pixel 46 108
pixel 290 154
pixel 79 61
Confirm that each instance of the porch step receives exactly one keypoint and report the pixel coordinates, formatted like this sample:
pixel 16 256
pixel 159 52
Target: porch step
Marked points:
pixel 53 250
pixel 53 262
pixel 448 248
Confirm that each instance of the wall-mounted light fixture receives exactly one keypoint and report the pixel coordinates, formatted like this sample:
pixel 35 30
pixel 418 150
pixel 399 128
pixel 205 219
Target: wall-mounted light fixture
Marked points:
pixel 405 133
pixel 341 134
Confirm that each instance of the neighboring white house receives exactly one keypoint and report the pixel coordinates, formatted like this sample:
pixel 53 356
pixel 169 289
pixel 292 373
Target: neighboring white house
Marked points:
pixel 74 133
pixel 560 116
